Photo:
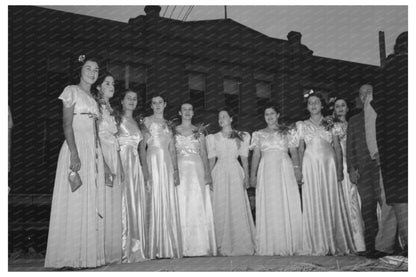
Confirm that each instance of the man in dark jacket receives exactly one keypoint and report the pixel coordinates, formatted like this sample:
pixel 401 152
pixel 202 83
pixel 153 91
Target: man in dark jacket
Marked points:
pixel 363 169
pixel 391 104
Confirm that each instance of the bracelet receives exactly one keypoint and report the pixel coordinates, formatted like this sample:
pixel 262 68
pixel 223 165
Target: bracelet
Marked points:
pixel 296 166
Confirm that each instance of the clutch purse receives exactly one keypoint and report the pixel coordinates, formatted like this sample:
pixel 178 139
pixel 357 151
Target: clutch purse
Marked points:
pixel 109 179
pixel 74 180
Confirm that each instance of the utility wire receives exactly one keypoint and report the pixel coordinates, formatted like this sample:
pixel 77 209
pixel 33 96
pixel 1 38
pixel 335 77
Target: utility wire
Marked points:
pixel 167 7
pixel 187 11
pixel 192 7
pixel 183 7
pixel 172 11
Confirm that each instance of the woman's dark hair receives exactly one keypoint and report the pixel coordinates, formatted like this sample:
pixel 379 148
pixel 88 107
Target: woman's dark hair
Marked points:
pixel 332 106
pixel 179 118
pixel 79 63
pixel 95 92
pixel 271 106
pixel 321 98
pixel 185 102
pixel 231 114
pixel 158 95
pixel 118 107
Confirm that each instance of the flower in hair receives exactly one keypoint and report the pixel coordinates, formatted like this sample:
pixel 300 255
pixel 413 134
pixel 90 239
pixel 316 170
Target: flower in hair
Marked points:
pixel 81 58
pixel 310 92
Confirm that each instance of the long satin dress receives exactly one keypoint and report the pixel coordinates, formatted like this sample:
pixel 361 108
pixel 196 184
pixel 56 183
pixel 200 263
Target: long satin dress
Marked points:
pixel 278 208
pixel 164 223
pixel 325 220
pixel 197 220
pixel 134 235
pixel 112 218
pixel 234 226
pixel 350 193
pixel 76 228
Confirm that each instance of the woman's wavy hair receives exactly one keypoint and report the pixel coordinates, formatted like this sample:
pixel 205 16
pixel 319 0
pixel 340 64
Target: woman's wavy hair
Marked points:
pixel 118 107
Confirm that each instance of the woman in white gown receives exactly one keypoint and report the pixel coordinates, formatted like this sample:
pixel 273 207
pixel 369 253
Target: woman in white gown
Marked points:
pixel 197 220
pixel 278 207
pixel 76 229
pixel 111 152
pixel 234 226
pixel 134 235
pixel 165 240
pixel 349 190
pixel 325 221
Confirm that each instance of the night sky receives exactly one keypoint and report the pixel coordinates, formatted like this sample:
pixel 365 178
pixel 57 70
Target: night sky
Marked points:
pixel 341 32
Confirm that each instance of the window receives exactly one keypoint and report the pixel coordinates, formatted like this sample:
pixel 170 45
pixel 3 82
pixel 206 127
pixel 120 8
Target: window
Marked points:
pixel 197 88
pixel 232 94
pixel 263 95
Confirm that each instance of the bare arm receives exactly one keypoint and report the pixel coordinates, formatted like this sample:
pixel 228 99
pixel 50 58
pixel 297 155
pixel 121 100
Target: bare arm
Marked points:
pixel 244 161
pixel 143 159
pixel 68 116
pixel 255 160
pixel 338 154
pixel 301 151
pixel 212 163
pixel 297 165
pixel 204 157
pixel 173 156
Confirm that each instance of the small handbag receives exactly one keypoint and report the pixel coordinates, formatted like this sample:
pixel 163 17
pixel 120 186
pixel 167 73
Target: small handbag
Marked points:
pixel 74 180
pixel 109 179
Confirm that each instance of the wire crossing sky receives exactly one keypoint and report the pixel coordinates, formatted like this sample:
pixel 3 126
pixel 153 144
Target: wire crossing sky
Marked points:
pixel 340 32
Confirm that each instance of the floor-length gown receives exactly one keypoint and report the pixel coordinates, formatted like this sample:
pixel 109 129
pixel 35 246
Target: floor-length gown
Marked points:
pixel 197 220
pixel 325 221
pixel 278 208
pixel 234 226
pixel 112 218
pixel 164 223
pixel 350 194
pixel 134 233
pixel 76 228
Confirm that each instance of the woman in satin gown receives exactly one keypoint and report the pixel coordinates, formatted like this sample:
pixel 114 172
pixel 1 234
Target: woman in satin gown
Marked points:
pixel 278 208
pixel 162 173
pixel 349 190
pixel 134 235
pixel 76 228
pixel 197 220
pixel 234 226
pixel 325 222
pixel 111 152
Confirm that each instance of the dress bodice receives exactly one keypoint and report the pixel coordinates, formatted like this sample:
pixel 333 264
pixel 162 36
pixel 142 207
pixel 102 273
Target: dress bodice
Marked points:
pixel 84 103
pixel 312 133
pixel 129 134
pixel 107 127
pixel 187 145
pixel 160 135
pixel 340 130
pixel 267 141
pixel 226 148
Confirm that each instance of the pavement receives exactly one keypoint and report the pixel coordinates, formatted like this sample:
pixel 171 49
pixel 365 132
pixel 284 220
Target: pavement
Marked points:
pixel 240 263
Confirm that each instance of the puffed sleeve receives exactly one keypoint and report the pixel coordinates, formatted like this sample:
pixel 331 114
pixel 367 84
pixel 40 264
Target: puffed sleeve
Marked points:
pixel 210 139
pixel 243 151
pixel 299 130
pixel 68 96
pixel 293 138
pixel 255 141
pixel 337 129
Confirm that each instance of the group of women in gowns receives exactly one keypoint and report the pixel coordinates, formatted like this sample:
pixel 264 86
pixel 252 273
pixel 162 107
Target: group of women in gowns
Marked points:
pixel 152 190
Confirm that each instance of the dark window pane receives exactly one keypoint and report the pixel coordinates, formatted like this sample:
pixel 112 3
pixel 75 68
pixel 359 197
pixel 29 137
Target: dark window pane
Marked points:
pixel 198 99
